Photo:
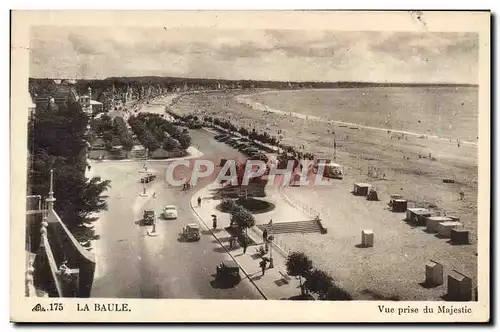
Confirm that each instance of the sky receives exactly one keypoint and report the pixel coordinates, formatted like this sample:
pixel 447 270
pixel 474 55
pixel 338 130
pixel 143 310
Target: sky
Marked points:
pixel 283 55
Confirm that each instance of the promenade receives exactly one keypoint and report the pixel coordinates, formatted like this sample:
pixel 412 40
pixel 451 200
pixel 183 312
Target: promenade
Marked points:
pixel 273 285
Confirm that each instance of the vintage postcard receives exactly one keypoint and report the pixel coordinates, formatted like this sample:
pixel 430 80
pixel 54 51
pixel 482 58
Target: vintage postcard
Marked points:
pixel 240 166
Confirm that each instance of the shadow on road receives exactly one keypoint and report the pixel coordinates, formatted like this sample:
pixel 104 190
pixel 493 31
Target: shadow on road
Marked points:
pixel 141 223
pixel 219 283
pixel 205 232
pixel 222 239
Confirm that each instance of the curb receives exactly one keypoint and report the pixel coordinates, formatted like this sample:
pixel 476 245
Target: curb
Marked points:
pixel 97 161
pixel 220 243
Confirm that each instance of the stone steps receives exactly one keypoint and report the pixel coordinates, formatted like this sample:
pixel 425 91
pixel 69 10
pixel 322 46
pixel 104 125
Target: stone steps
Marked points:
pixel 307 226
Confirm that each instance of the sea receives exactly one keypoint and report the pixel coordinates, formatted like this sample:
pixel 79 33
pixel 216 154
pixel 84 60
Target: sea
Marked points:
pixel 447 112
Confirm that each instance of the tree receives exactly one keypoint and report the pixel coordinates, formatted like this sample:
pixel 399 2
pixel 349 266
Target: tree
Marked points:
pixel 107 136
pixel 242 218
pixel 184 140
pixel 169 144
pixel 318 282
pixel 336 293
pixel 298 264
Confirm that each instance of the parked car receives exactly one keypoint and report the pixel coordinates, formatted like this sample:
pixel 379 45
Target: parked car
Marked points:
pixel 195 125
pixel 220 137
pixel 259 156
pixel 148 178
pixel 236 142
pixel 250 150
pixel 170 212
pixel 240 145
pixel 228 271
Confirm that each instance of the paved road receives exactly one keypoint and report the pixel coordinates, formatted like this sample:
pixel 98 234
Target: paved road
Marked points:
pixel 132 264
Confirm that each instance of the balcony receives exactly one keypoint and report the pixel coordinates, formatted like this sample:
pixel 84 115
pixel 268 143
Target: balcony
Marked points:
pixel 56 264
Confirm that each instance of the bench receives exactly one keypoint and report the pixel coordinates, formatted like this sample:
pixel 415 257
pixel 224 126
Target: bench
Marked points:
pixel 286 277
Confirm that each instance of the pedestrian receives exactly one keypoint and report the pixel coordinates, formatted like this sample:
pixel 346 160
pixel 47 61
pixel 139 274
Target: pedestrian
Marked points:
pixel 264 235
pixel 199 201
pixel 262 265
pixel 244 244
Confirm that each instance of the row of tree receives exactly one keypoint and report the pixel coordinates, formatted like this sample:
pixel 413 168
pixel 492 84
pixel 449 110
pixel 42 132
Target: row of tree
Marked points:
pixel 262 137
pixel 121 130
pixel 153 131
pixel 57 140
pixel 318 282
pixel 113 132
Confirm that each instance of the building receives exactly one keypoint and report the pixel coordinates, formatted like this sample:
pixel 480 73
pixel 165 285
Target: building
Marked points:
pixel 89 106
pixel 30 104
pixel 62 91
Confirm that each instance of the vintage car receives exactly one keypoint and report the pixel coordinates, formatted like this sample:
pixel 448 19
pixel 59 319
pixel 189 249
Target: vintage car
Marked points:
pixel 228 271
pixel 148 217
pixel 148 178
pixel 170 212
pixel 191 232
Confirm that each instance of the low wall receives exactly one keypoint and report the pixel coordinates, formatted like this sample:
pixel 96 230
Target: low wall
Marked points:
pixel 66 247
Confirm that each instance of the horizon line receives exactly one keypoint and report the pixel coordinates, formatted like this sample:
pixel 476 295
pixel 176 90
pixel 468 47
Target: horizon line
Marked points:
pixel 252 80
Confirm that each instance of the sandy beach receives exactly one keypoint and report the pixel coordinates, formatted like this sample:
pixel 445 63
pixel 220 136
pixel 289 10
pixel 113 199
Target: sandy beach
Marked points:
pixel 401 163
pixel 405 161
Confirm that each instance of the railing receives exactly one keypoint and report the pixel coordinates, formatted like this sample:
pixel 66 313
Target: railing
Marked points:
pixel 56 250
pixel 52 265
pixel 77 255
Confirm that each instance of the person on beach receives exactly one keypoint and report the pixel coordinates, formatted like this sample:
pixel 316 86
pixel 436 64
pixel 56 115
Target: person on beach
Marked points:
pixel 199 201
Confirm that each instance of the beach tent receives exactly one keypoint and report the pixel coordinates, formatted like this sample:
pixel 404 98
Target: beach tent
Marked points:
pixel 459 287
pixel 418 215
pixel 361 189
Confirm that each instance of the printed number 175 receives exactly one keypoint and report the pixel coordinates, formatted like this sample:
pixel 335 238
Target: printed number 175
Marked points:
pixel 56 307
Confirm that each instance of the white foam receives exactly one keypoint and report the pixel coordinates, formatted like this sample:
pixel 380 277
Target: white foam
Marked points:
pixel 245 100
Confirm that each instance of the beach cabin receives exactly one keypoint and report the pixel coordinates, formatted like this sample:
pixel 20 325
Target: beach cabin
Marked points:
pixel 433 273
pixel 330 169
pixel 367 237
pixel 372 195
pixel 459 287
pixel 433 222
pixel 399 205
pixel 361 189
pixel 444 228
pixel 418 215
pixel 459 236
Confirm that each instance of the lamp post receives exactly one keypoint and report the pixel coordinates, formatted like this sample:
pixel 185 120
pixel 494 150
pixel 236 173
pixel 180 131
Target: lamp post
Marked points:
pixel 334 143
pixel 154 216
